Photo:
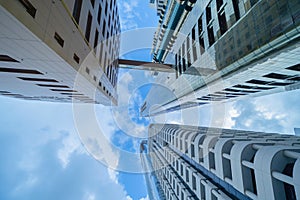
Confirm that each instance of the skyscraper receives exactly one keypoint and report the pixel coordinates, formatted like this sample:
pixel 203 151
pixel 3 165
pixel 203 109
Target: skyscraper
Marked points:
pixel 59 50
pixel 223 50
pixel 212 163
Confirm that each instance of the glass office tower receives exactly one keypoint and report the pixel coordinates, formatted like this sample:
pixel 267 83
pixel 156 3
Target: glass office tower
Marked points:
pixel 212 163
pixel 223 50
pixel 59 50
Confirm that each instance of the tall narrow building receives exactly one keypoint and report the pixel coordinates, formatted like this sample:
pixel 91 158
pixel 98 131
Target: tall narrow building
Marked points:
pixel 59 50
pixel 223 50
pixel 193 163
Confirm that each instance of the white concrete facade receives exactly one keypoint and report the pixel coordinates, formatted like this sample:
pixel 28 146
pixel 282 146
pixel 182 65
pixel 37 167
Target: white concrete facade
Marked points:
pixel 60 51
pixel 212 163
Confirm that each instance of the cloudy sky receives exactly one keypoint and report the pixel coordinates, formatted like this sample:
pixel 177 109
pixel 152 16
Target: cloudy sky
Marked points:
pixel 46 152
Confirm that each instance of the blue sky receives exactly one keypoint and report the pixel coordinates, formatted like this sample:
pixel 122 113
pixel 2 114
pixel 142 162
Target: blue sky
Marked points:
pixel 42 156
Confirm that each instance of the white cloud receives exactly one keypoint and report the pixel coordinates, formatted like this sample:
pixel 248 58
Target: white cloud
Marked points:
pixel 145 198
pixel 30 181
pixel 89 196
pixel 128 14
pixel 272 113
pixel 71 144
pixel 125 115
pixel 128 198
pixel 113 175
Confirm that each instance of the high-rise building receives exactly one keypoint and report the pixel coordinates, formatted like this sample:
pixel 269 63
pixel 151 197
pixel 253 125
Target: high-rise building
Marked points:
pixel 154 189
pixel 223 50
pixel 59 50
pixel 212 163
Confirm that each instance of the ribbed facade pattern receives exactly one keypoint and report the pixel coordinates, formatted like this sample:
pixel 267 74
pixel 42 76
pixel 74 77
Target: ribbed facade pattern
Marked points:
pixel 212 163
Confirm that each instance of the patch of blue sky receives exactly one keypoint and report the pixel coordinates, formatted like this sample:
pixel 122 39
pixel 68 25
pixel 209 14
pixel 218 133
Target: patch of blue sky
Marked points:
pixel 42 157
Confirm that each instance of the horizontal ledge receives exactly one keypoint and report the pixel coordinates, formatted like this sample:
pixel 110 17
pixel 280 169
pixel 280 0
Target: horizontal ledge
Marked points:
pixel 143 65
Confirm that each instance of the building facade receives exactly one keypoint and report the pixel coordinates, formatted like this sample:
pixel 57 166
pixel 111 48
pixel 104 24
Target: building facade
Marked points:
pixel 60 50
pixel 212 163
pixel 223 50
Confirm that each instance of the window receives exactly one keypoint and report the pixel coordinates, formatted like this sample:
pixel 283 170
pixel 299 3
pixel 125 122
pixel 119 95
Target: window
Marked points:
pixel 87 70
pixel 236 9
pixel 4 92
pixel 295 79
pixel 200 27
pixel 96 39
pixel 289 189
pixel 59 39
pixel 101 51
pixel 264 88
pixel 77 10
pixel 194 52
pixel 231 90
pixel 6 58
pixel 250 91
pixel 194 182
pixel 277 76
pixel 211 37
pixel 60 90
pixel 106 7
pixel 227 168
pixel 279 84
pixel 23 71
pixel 38 79
pixel 187 175
pixel 294 68
pixel 76 58
pixel 201 42
pixel 109 19
pixel 103 28
pixel 56 86
pixel 244 86
pixel 253 181
pixel 222 22
pixel 29 7
pixel 181 169
pixel 208 14
pixel 258 82
pixel 189 59
pixel 192 150
pixel 183 65
pixel 219 4
pixel 193 35
pixel 211 157
pixel 88 27
pixel 202 187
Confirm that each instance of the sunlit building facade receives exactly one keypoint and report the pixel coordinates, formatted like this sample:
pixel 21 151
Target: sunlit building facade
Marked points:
pixel 223 50
pixel 60 50
pixel 212 163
